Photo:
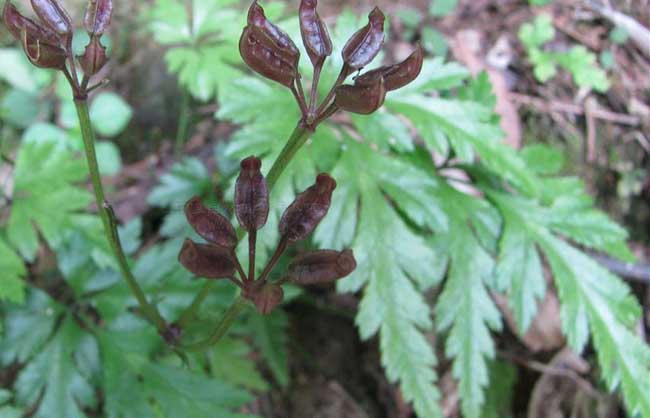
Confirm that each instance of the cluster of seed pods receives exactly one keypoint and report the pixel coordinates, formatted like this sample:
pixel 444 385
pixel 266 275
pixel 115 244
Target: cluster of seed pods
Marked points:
pixel 217 259
pixel 270 52
pixel 48 43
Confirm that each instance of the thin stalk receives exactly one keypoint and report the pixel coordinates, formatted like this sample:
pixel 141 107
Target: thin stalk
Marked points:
pixel 339 80
pixel 313 95
pixel 238 266
pixel 300 98
pixel 183 123
pixel 188 314
pixel 108 218
pixel 282 246
pixel 226 321
pixel 252 242
pixel 297 139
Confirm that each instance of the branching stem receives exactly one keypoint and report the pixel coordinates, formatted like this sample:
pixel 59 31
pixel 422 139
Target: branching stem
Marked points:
pixel 108 218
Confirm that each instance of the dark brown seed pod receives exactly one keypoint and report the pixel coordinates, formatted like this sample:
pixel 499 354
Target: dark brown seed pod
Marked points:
pixel 93 58
pixel 321 266
pixel 268 297
pixel 205 260
pixel 210 225
pixel 251 195
pixel 42 54
pixel 268 50
pixel 53 16
pixel 314 32
pixel 362 99
pixel 98 16
pixel 15 22
pixel 397 75
pixel 308 209
pixel 366 43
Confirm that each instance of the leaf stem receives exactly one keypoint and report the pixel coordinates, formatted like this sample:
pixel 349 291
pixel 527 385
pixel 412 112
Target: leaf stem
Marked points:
pixel 226 321
pixel 108 218
pixel 252 242
pixel 297 139
pixel 188 313
pixel 183 123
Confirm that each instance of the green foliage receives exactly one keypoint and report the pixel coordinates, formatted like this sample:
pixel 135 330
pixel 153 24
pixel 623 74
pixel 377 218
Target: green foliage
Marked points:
pixel 577 60
pixel 202 37
pixel 53 374
pixel 186 179
pixel 139 388
pixel 269 335
pixel 440 8
pixel 110 114
pixel 593 300
pixel 13 270
pixel 45 195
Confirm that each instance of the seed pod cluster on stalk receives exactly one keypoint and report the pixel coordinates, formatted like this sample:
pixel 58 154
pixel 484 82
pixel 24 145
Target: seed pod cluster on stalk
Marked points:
pixel 48 42
pixel 216 259
pixel 269 51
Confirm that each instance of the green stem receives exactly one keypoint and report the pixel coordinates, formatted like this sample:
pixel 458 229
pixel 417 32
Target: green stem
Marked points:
pixel 188 314
pixel 297 139
pixel 108 217
pixel 183 123
pixel 226 321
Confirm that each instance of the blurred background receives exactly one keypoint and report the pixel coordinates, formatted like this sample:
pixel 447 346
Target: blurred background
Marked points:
pixel 574 75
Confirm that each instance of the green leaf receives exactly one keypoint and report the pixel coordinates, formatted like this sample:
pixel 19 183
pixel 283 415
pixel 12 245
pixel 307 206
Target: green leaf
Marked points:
pixel 537 33
pixel 231 361
pixel 203 48
pixel 51 380
pixel 582 65
pixel 619 35
pixel 441 8
pixel 467 123
pixel 392 274
pixel 12 286
pixel 5 396
pixel 519 271
pixel 136 387
pixel 186 179
pixel 465 307
pixel 27 327
pixel 22 108
pixel 110 114
pixel 269 333
pixel 44 195
pixel 434 42
pixel 593 301
pixel 498 397
pixel 543 159
pixel 17 71
pixel 108 157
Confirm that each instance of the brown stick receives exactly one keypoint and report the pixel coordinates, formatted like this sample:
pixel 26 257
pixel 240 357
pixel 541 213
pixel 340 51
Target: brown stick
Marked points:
pixel 557 106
